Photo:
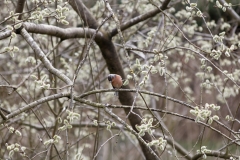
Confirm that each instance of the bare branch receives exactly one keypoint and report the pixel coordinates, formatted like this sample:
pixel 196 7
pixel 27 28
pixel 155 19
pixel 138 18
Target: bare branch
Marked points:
pixel 231 12
pixel 20 7
pixel 84 13
pixel 43 57
pixel 140 91
pixel 61 32
pixel 214 154
pixel 35 103
pixel 140 18
pixel 5 34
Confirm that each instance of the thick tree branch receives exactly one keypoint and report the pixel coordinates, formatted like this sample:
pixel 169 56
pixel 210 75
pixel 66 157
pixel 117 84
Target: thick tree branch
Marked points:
pixel 20 7
pixel 231 12
pixel 61 32
pixel 2 115
pixel 84 13
pixel 5 34
pixel 43 57
pixel 140 18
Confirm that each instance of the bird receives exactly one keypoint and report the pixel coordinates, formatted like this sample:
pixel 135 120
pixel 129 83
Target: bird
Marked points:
pixel 116 81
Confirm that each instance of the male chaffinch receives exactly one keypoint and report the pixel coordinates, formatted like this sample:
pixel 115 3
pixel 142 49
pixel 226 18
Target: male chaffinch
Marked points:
pixel 116 81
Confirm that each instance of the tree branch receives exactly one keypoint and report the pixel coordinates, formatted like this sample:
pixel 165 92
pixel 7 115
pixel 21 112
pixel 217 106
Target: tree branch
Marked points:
pixel 215 154
pixel 231 12
pixel 140 91
pixel 132 131
pixel 84 13
pixel 43 57
pixel 5 34
pixel 19 8
pixel 61 32
pixel 35 103
pixel 140 18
